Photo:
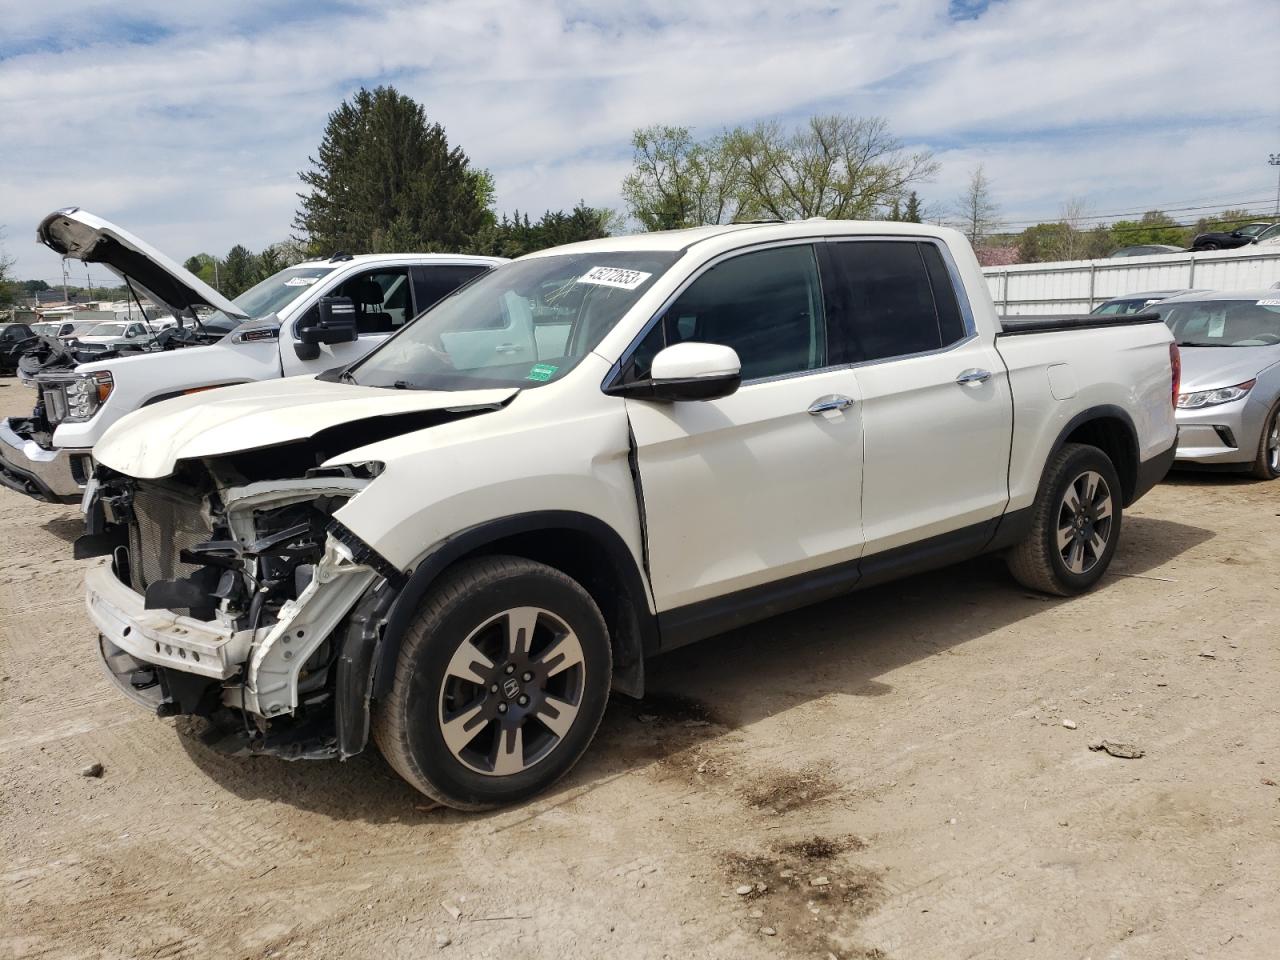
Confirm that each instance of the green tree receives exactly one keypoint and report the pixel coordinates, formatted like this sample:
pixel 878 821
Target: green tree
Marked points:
pixel 1156 226
pixel 913 212
pixel 833 166
pixel 239 270
pixel 386 179
pixel 34 286
pixel 517 235
pixel 677 182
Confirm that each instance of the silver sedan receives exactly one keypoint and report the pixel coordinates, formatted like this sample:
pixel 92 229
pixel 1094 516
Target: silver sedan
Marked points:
pixel 1229 400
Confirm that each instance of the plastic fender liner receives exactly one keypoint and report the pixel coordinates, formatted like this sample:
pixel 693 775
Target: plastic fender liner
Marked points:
pixel 353 689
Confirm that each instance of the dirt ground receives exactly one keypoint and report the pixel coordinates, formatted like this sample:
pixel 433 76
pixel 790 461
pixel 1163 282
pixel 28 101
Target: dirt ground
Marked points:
pixel 885 776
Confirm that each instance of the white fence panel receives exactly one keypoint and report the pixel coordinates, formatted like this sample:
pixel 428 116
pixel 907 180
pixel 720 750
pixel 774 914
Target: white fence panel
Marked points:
pixel 1077 286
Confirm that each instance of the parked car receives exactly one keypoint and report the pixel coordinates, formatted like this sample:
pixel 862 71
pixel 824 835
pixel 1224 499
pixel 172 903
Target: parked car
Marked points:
pixel 1229 405
pixel 1134 302
pixel 47 455
pixel 1269 236
pixel 1239 237
pixel 108 336
pixel 1144 250
pixel 64 329
pixel 13 336
pixel 592 455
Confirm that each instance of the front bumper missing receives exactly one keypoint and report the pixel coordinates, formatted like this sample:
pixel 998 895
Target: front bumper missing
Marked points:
pixel 277 655
pixel 29 468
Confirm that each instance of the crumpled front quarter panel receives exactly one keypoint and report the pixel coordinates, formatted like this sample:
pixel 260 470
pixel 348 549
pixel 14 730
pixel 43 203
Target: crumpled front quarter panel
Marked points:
pixel 555 448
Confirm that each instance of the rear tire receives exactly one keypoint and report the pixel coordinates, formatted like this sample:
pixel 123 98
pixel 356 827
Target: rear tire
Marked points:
pixel 1075 524
pixel 500 684
pixel 1266 466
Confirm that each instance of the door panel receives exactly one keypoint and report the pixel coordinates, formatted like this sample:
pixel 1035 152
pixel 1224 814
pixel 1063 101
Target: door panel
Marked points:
pixel 754 487
pixel 750 488
pixel 937 452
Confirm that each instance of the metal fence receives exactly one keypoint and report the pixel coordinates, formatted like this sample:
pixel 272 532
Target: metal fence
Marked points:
pixel 1077 286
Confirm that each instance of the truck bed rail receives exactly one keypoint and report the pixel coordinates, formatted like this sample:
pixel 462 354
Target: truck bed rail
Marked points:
pixel 1014 326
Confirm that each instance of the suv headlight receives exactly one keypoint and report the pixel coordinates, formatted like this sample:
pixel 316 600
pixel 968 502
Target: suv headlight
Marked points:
pixel 1210 398
pixel 85 394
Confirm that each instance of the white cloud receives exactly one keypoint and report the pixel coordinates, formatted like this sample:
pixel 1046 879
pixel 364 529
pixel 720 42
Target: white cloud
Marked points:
pixel 188 122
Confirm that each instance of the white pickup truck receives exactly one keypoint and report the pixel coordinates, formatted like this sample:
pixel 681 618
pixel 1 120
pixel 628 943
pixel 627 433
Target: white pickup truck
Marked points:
pixel 462 542
pixel 47 455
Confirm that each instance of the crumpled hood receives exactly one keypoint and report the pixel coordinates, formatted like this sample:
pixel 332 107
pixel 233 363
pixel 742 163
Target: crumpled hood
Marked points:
pixel 1206 368
pixel 149 442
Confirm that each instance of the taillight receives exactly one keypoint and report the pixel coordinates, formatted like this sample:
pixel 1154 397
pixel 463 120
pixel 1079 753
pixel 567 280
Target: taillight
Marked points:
pixel 1175 364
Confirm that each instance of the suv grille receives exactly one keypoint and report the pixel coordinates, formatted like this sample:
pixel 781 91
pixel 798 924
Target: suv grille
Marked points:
pixel 165 525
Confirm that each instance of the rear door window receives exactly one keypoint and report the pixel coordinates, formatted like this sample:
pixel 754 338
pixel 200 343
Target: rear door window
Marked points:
pixel 896 298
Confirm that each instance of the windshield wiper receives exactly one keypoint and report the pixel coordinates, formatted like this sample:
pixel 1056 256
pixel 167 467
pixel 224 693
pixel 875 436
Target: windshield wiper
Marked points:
pixel 1201 343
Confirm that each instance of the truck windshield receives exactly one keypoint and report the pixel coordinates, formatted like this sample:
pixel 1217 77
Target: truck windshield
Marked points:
pixel 1225 323
pixel 522 325
pixel 274 293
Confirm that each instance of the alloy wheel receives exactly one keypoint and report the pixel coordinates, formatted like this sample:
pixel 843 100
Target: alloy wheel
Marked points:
pixel 1084 522
pixel 511 691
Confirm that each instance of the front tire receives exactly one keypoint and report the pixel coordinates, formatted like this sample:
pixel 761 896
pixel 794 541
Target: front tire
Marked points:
pixel 1075 524
pixel 1266 466
pixel 500 684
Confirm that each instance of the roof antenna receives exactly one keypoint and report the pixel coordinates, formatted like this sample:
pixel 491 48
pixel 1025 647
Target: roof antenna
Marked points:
pixel 341 255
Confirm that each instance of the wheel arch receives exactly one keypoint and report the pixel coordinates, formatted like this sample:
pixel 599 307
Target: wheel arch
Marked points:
pixel 1111 430
pixel 580 545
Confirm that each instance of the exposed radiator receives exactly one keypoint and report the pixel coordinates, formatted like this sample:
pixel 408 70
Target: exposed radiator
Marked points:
pixel 166 525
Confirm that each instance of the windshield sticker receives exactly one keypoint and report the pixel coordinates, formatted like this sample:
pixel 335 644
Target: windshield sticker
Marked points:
pixel 1217 324
pixel 542 372
pixel 1270 302
pixel 615 277
pixel 300 281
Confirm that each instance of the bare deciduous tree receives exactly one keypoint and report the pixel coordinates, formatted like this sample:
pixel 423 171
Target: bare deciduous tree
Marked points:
pixel 976 212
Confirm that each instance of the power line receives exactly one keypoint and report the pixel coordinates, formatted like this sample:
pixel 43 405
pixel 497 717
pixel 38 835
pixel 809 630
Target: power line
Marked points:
pixel 1099 217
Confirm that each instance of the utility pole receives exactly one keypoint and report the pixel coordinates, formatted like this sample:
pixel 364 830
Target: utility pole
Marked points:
pixel 1274 160
pixel 66 297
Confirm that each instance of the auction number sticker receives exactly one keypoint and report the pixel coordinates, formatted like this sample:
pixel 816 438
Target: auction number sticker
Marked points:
pixel 618 277
pixel 1270 302
pixel 542 372
pixel 300 281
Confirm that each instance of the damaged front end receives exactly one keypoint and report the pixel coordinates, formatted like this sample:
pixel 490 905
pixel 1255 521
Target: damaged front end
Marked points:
pixel 228 594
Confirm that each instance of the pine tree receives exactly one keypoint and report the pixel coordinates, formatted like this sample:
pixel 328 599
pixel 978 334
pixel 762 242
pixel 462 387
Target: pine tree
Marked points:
pixel 912 214
pixel 385 179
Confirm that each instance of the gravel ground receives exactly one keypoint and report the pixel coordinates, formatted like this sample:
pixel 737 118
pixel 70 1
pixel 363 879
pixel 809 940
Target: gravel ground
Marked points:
pixel 891 775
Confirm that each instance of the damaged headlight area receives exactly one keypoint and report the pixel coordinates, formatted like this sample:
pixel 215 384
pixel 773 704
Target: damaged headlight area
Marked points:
pixel 243 585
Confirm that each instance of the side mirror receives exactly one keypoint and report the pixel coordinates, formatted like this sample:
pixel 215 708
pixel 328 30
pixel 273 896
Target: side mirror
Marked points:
pixel 336 322
pixel 689 371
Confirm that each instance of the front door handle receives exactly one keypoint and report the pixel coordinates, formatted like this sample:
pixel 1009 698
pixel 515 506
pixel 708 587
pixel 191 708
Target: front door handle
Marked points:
pixel 832 401
pixel 505 348
pixel 973 375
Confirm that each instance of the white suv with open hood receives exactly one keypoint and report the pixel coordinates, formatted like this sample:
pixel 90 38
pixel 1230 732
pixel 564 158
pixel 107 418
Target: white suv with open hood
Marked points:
pixel 591 455
pixel 305 319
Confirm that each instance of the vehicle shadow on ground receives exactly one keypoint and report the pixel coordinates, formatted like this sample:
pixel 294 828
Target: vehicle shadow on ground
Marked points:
pixel 843 646
pixel 66 529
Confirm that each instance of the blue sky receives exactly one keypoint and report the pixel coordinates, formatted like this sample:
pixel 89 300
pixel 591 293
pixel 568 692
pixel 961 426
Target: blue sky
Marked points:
pixel 188 123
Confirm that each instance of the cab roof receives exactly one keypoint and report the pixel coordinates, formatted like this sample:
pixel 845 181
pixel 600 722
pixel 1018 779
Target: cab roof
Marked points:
pixel 730 235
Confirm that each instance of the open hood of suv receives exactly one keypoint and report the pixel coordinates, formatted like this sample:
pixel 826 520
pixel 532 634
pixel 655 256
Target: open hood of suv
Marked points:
pixel 76 233
pixel 148 443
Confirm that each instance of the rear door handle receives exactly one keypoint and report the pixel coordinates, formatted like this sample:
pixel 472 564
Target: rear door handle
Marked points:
pixel 505 348
pixel 973 375
pixel 832 401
